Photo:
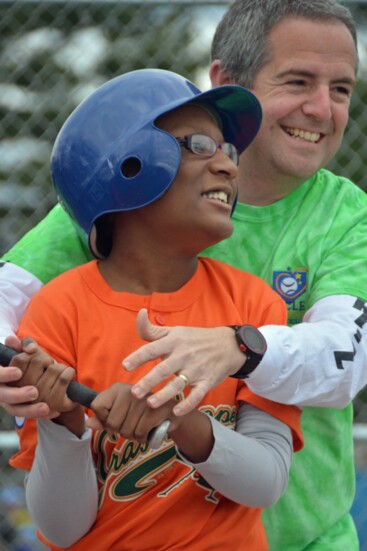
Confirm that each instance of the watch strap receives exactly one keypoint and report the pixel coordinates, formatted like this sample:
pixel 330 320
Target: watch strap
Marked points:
pixel 252 358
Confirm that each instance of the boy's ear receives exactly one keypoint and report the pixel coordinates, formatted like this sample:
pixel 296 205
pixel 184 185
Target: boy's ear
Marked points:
pixel 218 76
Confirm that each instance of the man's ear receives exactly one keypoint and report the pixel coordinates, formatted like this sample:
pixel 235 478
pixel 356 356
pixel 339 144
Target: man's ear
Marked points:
pixel 218 77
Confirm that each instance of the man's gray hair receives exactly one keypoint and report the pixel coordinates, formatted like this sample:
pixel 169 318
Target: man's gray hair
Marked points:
pixel 241 39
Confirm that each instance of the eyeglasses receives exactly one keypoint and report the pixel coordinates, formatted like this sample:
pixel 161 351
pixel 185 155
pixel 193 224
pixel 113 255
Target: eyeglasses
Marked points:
pixel 205 146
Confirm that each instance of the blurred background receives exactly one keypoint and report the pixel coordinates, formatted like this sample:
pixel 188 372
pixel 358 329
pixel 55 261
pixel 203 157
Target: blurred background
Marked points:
pixel 55 53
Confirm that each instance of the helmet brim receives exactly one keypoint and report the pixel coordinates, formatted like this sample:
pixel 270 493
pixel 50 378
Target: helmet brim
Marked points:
pixel 238 110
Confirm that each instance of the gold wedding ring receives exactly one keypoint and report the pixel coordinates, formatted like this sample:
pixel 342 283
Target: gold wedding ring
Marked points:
pixel 184 378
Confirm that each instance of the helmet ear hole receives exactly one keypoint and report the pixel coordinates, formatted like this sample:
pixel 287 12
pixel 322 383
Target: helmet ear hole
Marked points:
pixel 130 167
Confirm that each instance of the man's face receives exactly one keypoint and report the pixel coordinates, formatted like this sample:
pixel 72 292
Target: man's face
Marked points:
pixel 305 92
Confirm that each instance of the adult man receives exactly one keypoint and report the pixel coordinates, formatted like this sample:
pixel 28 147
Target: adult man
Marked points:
pixel 305 233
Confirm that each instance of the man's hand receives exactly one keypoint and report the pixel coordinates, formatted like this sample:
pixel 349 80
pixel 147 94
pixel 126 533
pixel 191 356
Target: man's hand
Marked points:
pixel 205 357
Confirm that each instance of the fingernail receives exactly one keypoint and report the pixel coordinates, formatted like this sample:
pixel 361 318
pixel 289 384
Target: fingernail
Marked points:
pixel 126 364
pixel 43 410
pixel 15 374
pixel 177 410
pixel 32 393
pixel 152 400
pixel 137 391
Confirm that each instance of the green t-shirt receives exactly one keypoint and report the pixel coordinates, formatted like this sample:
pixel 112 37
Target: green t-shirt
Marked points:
pixel 307 246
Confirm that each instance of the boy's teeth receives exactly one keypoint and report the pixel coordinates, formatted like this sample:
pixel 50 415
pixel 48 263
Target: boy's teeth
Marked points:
pixel 219 195
pixel 304 135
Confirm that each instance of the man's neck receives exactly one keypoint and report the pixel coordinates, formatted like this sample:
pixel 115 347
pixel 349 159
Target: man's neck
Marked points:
pixel 262 191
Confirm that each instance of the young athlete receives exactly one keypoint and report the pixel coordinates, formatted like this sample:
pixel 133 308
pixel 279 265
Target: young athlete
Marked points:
pixel 147 166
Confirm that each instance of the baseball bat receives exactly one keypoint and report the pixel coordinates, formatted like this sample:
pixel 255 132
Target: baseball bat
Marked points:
pixel 84 396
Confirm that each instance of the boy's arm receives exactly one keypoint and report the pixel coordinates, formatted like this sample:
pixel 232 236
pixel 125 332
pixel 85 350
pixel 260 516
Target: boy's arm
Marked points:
pixel 249 465
pixel 61 488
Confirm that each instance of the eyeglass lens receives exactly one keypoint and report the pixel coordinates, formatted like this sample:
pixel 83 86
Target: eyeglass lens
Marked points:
pixel 200 144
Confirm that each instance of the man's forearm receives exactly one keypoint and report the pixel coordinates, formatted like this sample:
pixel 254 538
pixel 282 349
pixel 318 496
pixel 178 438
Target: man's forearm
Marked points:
pixel 17 286
pixel 321 362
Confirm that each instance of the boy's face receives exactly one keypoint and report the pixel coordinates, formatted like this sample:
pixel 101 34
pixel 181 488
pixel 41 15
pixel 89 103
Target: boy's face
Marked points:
pixel 195 212
pixel 198 205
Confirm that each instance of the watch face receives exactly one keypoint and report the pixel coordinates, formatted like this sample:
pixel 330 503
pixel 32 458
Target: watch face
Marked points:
pixel 253 339
pixel 253 345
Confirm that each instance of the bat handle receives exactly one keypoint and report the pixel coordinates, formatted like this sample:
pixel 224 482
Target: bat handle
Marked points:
pixel 6 354
pixel 157 435
pixel 81 394
pixel 84 395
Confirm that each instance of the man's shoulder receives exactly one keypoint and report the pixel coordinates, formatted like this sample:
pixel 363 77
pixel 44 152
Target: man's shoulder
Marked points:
pixel 54 245
pixel 333 183
pixel 342 198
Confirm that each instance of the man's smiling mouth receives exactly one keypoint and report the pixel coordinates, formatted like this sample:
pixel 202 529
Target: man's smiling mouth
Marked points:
pixel 305 135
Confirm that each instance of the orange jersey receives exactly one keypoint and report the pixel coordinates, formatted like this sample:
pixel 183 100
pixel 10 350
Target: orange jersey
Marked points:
pixel 151 499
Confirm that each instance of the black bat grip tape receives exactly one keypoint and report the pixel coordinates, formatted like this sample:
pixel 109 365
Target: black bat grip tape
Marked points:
pixel 77 392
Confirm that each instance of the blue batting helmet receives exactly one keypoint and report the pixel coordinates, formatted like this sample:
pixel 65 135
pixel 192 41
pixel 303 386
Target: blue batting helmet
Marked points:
pixel 114 130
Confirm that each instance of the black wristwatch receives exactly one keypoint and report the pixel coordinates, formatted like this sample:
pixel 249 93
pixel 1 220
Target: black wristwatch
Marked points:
pixel 253 344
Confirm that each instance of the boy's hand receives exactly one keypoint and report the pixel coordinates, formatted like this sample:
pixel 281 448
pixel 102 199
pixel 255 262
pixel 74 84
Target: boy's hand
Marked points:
pixel 50 379
pixel 117 410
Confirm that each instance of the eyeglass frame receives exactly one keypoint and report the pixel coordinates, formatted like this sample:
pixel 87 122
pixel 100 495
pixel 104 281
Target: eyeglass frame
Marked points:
pixel 186 142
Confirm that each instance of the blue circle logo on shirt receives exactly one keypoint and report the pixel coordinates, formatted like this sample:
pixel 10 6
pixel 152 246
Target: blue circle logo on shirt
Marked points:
pixel 290 284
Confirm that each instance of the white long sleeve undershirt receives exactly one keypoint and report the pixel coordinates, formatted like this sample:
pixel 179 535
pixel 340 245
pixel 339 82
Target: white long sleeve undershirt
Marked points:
pixel 17 286
pixel 320 362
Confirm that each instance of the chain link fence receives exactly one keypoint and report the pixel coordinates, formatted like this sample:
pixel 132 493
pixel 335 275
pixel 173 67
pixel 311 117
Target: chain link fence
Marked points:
pixel 52 55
